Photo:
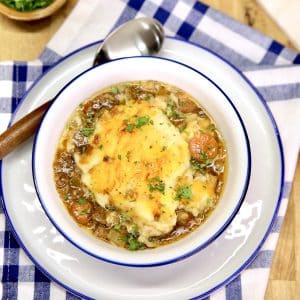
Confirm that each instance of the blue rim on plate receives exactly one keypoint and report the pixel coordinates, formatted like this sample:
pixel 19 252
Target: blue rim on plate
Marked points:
pixel 278 201
pixel 184 255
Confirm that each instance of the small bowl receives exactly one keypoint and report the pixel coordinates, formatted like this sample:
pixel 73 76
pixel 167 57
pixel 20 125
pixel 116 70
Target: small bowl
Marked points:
pixel 209 95
pixel 36 14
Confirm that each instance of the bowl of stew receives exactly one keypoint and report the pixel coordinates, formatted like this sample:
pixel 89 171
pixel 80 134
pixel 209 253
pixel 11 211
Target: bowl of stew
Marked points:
pixel 142 161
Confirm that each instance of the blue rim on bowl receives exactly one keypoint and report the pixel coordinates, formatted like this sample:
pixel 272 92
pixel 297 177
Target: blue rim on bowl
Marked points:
pixel 183 255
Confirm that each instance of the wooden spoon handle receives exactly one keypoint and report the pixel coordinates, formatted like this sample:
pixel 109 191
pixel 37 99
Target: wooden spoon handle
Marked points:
pixel 21 130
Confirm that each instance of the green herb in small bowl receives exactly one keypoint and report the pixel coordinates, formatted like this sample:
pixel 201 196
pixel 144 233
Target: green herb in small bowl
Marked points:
pixel 29 10
pixel 26 5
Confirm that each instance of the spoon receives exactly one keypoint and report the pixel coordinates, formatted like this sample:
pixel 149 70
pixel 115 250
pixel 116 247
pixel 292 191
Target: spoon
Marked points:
pixel 143 36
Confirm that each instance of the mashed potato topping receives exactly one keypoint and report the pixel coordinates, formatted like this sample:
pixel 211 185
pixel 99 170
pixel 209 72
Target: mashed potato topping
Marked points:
pixel 155 150
pixel 147 162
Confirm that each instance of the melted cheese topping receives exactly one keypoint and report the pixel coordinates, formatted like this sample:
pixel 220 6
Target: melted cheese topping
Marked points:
pixel 203 193
pixel 122 161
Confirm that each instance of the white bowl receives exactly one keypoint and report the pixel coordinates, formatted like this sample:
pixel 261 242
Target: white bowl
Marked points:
pixel 209 95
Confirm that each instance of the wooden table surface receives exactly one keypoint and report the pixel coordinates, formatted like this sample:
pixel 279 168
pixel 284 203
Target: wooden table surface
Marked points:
pixel 24 41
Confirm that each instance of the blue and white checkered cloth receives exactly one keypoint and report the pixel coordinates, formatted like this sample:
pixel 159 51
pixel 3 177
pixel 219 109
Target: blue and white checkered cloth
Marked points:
pixel 272 68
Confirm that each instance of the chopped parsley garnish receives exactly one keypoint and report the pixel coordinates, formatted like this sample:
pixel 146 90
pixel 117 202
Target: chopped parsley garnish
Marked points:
pixel 124 218
pixel 184 192
pixel 90 120
pixel 139 122
pixel 87 131
pixel 134 244
pixel 131 239
pixel 204 156
pixel 156 184
pixel 164 148
pixel 211 127
pixel 82 201
pixel 130 127
pixel 172 112
pixel 135 230
pixel 118 226
pixel 100 147
pixel 209 201
pixel 200 166
pixel 114 90
pixel 119 156
pixel 84 212
pixel 142 121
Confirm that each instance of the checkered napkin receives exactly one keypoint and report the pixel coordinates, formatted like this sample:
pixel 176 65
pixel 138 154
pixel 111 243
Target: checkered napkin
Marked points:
pixel 272 68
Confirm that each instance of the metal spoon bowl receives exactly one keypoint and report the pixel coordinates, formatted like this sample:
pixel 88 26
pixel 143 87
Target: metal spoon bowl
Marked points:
pixel 143 36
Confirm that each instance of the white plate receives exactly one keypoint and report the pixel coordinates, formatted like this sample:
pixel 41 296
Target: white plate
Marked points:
pixel 195 276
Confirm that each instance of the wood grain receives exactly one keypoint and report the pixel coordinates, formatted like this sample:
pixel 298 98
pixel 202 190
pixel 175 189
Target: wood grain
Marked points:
pixel 250 13
pixel 21 41
pixel 26 40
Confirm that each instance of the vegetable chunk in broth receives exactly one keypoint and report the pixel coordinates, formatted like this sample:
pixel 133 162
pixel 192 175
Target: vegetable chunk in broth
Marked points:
pixel 140 164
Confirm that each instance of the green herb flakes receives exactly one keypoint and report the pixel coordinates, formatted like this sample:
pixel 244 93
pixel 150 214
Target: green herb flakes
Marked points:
pixel 172 111
pixel 133 243
pixel 26 5
pixel 82 201
pixel 200 166
pixel 211 127
pixel 130 127
pixel 209 201
pixel 139 122
pixel 124 218
pixel 117 226
pixel 87 131
pixel 184 192
pixel 142 121
pixel 84 212
pixel 114 90
pixel 156 184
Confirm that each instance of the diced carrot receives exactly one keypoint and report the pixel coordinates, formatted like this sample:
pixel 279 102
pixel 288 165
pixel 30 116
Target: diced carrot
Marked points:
pixel 203 146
